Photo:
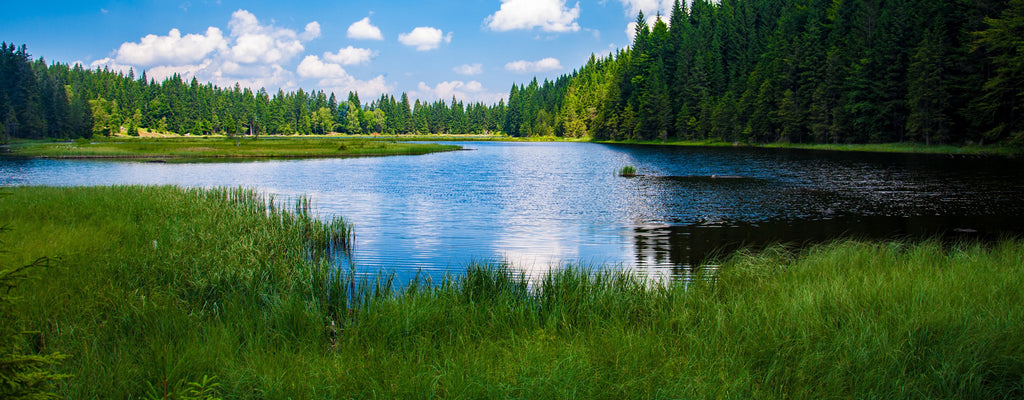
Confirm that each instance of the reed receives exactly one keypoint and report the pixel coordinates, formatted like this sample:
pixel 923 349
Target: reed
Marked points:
pixel 627 171
pixel 156 287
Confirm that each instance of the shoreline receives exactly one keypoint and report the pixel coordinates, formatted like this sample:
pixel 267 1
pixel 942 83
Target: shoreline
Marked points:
pixel 222 149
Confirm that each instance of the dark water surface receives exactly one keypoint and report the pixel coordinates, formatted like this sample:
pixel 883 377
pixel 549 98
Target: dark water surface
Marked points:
pixel 542 204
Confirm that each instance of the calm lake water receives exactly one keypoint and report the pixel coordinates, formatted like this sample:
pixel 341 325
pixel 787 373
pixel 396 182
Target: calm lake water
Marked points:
pixel 539 205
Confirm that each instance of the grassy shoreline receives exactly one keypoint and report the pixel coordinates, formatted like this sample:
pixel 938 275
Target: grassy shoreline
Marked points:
pixel 219 148
pixel 909 148
pixel 370 145
pixel 163 285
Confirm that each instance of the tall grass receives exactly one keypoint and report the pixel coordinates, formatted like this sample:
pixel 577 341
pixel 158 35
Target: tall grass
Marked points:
pixel 231 290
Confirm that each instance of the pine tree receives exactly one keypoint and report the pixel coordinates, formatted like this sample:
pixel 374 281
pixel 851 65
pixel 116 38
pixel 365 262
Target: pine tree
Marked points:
pixel 22 375
pixel 1004 91
pixel 928 97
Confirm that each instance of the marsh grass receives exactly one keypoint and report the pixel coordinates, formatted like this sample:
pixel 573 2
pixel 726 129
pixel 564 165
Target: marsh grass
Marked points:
pixel 230 289
pixel 223 148
pixel 627 171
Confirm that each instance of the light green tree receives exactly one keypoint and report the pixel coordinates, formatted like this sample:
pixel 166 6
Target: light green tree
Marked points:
pixel 352 125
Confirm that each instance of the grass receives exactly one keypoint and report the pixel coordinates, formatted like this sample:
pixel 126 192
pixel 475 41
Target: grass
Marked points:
pixel 1002 150
pixel 155 285
pixel 627 171
pixel 221 148
pixel 496 137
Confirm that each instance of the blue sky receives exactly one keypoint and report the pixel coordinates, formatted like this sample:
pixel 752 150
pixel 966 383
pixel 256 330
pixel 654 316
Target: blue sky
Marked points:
pixel 430 49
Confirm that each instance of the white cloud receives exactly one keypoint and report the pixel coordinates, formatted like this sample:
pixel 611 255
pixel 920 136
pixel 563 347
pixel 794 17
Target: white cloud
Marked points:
pixel 469 69
pixel 368 89
pixel 243 22
pixel 631 27
pixel 252 54
pixel 522 66
pixel 108 63
pixel 471 91
pixel 631 31
pixel 312 67
pixel 362 29
pixel 172 49
pixel 333 78
pixel 548 15
pixel 263 44
pixel 649 7
pixel 350 56
pixel 312 31
pixel 425 38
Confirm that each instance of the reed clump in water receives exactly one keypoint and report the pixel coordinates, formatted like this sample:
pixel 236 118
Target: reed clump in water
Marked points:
pixel 163 284
pixel 627 171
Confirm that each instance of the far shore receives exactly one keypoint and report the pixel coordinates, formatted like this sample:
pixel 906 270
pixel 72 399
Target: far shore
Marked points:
pixel 318 146
pixel 219 148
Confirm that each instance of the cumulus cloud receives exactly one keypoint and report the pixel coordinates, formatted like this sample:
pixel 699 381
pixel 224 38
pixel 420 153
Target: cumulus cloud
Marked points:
pixel 631 27
pixel 631 31
pixel 252 54
pixel 108 63
pixel 363 29
pixel 172 49
pixel 469 69
pixel 350 56
pixel 548 15
pixel 312 31
pixel 264 44
pixel 312 67
pixel 471 91
pixel 544 65
pixel 649 7
pixel 425 38
pixel 333 78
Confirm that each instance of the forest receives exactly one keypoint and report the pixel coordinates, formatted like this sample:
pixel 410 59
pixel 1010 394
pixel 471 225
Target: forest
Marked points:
pixel 800 71
pixel 68 101
pixel 749 71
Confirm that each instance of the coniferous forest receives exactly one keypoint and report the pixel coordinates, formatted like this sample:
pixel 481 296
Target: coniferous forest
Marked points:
pixel 752 71
pixel 61 101
pixel 800 71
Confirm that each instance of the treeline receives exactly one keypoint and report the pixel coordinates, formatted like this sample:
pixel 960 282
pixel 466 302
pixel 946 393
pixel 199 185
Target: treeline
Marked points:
pixel 844 71
pixel 37 101
pixel 802 71
pixel 61 101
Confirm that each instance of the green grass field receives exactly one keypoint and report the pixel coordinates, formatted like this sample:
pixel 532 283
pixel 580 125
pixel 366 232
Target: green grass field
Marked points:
pixel 222 148
pixel 152 288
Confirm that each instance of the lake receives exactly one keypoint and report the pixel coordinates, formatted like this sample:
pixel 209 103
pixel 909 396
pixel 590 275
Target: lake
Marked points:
pixel 539 205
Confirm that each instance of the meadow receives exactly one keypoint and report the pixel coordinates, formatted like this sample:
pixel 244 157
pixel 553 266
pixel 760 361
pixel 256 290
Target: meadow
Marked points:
pixel 155 291
pixel 221 148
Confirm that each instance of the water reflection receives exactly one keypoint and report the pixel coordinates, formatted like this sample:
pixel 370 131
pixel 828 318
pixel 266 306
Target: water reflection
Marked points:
pixel 539 205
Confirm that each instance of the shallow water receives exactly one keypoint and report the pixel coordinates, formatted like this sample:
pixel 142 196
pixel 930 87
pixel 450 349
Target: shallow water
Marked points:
pixel 541 204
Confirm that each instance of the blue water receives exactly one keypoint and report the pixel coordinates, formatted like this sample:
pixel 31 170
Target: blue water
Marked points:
pixel 539 205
